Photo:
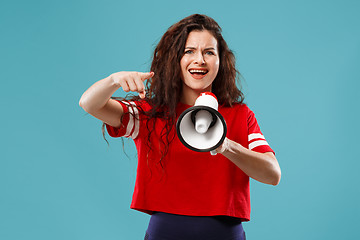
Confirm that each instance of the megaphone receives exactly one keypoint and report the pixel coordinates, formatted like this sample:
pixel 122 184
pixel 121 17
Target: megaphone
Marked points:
pixel 202 128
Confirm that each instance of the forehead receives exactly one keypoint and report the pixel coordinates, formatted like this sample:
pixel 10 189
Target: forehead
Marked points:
pixel 201 39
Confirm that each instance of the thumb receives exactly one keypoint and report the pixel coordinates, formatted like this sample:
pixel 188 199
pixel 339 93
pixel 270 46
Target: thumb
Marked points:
pixel 142 95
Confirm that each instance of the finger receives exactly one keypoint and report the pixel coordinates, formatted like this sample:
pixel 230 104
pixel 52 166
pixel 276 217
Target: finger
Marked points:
pixel 147 75
pixel 223 147
pixel 124 86
pixel 142 94
pixel 140 86
pixel 132 85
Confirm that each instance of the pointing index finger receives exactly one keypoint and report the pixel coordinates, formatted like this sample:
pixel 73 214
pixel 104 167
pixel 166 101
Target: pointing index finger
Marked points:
pixel 146 75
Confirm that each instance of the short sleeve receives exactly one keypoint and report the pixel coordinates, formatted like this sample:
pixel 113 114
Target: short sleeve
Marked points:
pixel 256 139
pixel 130 122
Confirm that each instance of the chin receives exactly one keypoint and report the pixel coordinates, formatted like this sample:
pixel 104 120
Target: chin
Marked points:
pixel 199 87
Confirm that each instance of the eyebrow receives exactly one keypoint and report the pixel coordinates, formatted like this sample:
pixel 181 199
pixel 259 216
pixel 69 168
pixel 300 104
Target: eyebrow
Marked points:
pixel 194 48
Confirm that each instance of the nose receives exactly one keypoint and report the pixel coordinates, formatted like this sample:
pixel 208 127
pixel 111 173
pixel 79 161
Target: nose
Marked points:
pixel 199 59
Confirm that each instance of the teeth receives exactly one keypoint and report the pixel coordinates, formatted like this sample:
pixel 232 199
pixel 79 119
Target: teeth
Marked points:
pixel 198 71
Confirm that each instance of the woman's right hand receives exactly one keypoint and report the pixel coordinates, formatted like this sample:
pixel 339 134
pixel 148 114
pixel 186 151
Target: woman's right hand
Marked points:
pixel 97 99
pixel 132 81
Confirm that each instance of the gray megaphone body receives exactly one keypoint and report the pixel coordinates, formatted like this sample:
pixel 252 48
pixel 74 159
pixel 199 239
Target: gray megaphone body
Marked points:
pixel 202 128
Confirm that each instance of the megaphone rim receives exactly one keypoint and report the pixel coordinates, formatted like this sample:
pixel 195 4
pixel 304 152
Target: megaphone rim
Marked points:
pixel 201 107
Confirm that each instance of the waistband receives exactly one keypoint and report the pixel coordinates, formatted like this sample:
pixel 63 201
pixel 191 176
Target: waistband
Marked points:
pixel 180 227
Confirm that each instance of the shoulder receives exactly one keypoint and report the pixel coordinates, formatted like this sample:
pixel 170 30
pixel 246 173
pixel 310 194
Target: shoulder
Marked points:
pixel 236 108
pixel 238 112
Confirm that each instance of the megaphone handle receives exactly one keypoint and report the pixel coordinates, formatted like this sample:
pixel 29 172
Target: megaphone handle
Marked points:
pixel 213 152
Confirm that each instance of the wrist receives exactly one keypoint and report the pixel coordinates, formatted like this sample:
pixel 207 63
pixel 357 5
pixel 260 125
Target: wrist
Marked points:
pixel 229 147
pixel 114 80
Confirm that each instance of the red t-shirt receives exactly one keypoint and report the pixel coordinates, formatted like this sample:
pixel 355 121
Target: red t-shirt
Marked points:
pixel 188 182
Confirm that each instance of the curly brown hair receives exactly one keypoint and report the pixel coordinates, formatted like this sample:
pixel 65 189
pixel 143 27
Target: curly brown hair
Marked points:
pixel 165 88
pixel 163 91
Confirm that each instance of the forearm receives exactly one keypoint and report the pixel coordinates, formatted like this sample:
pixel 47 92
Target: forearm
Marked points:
pixel 262 167
pixel 98 94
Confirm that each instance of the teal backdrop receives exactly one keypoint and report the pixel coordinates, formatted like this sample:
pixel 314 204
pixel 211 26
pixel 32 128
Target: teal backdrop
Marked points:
pixel 300 63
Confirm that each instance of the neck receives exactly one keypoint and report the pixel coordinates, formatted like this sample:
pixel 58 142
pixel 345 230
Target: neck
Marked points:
pixel 189 96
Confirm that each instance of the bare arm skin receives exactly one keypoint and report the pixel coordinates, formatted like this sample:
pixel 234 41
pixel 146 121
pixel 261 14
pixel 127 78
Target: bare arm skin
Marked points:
pixel 97 99
pixel 262 167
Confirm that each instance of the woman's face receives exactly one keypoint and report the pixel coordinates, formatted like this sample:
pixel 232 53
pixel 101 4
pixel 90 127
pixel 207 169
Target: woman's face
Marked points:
pixel 200 63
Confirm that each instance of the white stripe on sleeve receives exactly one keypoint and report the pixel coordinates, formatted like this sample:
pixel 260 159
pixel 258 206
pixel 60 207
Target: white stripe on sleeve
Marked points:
pixel 130 124
pixel 132 129
pixel 257 143
pixel 137 123
pixel 255 135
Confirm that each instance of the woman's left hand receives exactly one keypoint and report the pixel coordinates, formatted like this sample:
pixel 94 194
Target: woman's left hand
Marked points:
pixel 262 167
pixel 223 147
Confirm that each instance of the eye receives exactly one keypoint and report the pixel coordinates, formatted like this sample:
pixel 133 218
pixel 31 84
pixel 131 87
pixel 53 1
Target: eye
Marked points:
pixel 189 51
pixel 209 53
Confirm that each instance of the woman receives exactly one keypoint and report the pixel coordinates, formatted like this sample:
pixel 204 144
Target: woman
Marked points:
pixel 190 195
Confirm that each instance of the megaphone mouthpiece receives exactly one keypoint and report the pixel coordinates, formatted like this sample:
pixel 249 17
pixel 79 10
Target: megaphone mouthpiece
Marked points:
pixel 203 120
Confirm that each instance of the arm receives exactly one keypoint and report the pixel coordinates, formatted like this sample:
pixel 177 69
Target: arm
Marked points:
pixel 97 99
pixel 262 167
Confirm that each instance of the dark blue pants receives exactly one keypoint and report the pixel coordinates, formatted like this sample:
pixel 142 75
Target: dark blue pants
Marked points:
pixel 165 226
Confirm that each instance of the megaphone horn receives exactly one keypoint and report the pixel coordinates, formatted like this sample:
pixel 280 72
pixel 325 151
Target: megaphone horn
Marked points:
pixel 202 128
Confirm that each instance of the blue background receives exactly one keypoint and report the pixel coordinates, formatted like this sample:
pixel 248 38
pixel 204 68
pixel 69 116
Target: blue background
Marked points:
pixel 58 178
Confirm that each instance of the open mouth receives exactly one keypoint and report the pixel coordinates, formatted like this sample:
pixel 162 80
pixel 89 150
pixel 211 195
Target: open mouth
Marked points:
pixel 198 72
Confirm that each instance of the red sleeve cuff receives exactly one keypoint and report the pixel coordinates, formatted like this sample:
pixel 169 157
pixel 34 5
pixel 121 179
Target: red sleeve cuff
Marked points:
pixel 119 131
pixel 263 149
